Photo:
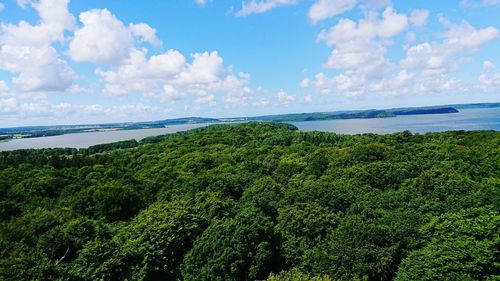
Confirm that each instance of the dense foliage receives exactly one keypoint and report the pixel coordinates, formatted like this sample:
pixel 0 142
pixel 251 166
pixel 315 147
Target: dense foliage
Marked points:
pixel 255 202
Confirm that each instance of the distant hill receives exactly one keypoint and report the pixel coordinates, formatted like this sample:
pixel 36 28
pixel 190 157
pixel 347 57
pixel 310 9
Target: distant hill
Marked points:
pixel 353 114
pixel 442 110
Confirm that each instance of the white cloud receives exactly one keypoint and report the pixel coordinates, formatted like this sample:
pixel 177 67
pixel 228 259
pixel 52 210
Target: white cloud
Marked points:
pixel 167 94
pixel 8 106
pixel 438 84
pixel 168 77
pixel 165 77
pixel 138 73
pixel 237 89
pixel 54 20
pixel 205 68
pixel 77 89
pixel 346 30
pixel 323 9
pixel 367 58
pixel 392 23
pixel 2 7
pixel 305 83
pixel 488 80
pixel 26 50
pixel 426 69
pixel 145 32
pixel 262 6
pixel 402 83
pixel 447 56
pixel 419 17
pixel 350 84
pixel 284 98
pixel 398 85
pixel 487 65
pixel 104 39
pixel 359 46
pixel 466 38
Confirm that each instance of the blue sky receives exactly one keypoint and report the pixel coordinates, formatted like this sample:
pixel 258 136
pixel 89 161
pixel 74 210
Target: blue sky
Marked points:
pixel 71 62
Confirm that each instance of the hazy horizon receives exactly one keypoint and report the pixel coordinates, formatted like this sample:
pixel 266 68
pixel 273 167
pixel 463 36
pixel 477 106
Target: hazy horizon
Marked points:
pixel 235 117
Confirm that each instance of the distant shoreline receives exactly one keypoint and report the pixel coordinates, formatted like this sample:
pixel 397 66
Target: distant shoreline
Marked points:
pixel 44 131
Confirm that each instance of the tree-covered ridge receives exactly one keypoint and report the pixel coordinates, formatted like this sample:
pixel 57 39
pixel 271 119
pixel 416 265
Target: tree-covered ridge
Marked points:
pixel 253 202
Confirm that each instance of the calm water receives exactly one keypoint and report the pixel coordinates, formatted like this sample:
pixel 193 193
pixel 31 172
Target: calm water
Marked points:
pixel 466 119
pixel 84 140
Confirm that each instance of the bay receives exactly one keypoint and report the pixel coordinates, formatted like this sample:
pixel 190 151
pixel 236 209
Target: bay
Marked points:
pixel 84 140
pixel 466 119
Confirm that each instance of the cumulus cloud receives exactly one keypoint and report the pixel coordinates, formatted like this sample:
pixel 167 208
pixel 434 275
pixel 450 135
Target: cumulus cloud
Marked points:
pixel 145 33
pixel 261 6
pixel 167 77
pixel 397 85
pixel 26 50
pixel 390 24
pixel 126 65
pixel 350 84
pixel 426 67
pixel 139 73
pixel 104 39
pixel 323 9
pixel 401 83
pixel 359 49
pixel 170 77
pixel 444 57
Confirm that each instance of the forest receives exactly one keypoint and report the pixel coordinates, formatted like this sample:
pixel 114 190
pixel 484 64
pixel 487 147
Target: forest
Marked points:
pixel 255 201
